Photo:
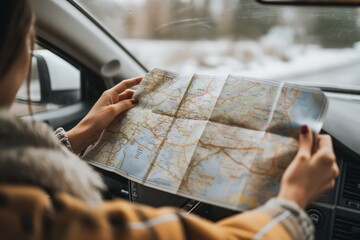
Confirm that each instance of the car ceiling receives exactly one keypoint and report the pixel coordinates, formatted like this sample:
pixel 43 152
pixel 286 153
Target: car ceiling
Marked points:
pixel 65 27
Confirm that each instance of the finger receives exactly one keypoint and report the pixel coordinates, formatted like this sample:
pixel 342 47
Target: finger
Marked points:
pixel 336 170
pixel 305 143
pixel 127 94
pixel 122 106
pixel 125 84
pixel 325 142
pixel 330 185
pixel 325 153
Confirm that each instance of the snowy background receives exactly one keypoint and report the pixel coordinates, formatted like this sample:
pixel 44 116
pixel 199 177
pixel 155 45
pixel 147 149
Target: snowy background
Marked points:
pixel 275 56
pixel 242 37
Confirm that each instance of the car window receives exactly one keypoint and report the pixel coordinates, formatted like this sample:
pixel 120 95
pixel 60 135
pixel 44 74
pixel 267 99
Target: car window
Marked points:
pixel 54 83
pixel 243 37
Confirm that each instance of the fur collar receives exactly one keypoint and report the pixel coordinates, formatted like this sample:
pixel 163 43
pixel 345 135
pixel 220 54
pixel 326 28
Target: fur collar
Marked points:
pixel 31 154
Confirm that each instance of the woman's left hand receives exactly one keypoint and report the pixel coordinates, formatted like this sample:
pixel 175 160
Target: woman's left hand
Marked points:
pixel 111 103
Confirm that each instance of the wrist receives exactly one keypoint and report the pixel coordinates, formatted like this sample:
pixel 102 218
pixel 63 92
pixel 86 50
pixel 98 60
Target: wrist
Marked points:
pixel 294 194
pixel 79 137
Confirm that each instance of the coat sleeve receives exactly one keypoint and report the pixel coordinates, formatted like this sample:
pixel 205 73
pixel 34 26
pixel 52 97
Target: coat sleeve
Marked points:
pixel 28 213
pixel 61 134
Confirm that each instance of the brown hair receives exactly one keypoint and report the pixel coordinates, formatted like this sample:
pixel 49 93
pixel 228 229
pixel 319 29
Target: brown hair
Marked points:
pixel 16 19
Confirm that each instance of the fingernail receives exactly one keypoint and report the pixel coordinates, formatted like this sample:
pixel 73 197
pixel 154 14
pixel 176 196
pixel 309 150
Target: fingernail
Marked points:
pixel 304 129
pixel 134 101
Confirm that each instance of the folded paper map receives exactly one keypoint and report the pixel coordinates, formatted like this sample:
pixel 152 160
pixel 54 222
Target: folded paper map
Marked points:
pixel 221 140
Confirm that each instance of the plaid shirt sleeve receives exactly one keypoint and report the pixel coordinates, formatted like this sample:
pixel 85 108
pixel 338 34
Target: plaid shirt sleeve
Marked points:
pixel 63 138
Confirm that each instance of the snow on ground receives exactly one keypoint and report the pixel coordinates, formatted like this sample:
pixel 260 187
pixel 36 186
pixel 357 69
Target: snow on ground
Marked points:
pixel 246 58
pixel 274 56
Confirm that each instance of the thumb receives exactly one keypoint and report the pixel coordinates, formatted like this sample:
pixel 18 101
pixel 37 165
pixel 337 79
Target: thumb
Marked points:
pixel 123 106
pixel 305 143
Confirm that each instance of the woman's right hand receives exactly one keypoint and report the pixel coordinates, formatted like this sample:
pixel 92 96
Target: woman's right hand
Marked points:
pixel 310 174
pixel 112 102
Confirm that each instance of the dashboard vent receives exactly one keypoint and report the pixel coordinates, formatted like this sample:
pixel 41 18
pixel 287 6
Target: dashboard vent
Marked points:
pixel 352 184
pixel 346 229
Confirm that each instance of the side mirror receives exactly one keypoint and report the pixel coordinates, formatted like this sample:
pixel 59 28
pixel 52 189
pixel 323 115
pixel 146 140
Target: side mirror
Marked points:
pixel 53 80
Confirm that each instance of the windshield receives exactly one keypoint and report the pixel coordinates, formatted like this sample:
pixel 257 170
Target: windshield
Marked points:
pixel 318 45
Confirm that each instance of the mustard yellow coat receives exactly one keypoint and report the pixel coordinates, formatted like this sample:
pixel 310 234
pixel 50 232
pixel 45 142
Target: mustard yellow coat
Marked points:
pixel 47 192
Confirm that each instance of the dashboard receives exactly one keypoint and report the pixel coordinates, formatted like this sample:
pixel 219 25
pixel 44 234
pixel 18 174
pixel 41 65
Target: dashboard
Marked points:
pixel 336 215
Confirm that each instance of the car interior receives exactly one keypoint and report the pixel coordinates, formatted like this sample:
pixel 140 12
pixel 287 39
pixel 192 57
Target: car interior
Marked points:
pixel 74 44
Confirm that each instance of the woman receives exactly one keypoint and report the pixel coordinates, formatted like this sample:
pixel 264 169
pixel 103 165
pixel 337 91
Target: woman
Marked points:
pixel 47 192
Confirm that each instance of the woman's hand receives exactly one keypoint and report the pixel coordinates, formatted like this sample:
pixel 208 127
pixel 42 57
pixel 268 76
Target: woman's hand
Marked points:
pixel 111 103
pixel 310 174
